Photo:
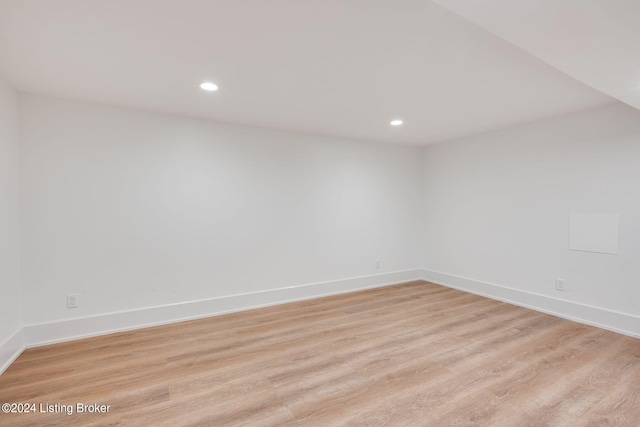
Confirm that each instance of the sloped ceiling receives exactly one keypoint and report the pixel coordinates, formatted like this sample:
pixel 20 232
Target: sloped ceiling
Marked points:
pixel 594 41
pixel 343 68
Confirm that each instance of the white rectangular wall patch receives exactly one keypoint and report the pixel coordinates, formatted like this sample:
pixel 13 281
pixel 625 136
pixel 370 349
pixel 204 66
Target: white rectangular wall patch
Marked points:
pixel 594 233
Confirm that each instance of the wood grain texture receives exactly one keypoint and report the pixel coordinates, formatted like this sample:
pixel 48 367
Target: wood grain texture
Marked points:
pixel 415 354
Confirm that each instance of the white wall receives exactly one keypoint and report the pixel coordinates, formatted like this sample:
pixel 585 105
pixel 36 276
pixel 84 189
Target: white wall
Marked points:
pixel 132 209
pixel 10 295
pixel 497 209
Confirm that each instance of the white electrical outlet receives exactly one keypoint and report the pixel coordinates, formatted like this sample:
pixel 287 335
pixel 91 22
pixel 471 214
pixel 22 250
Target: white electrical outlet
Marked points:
pixel 72 300
pixel 377 263
pixel 560 285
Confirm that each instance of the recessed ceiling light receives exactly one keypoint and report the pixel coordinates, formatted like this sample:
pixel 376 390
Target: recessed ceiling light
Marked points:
pixel 208 86
pixel 396 122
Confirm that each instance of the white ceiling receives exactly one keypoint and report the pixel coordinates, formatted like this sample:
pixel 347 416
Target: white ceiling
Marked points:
pixel 595 41
pixel 334 67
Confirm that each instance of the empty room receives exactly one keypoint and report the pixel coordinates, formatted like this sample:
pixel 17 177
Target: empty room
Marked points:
pixel 319 213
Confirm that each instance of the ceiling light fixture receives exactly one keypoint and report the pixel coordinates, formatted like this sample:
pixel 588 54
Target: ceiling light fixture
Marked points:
pixel 209 87
pixel 396 122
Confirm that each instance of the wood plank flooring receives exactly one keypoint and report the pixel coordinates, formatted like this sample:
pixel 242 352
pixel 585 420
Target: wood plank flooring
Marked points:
pixel 415 354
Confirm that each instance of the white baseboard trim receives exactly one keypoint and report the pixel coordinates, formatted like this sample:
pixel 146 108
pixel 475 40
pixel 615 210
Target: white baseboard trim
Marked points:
pixel 624 323
pixel 10 350
pixel 67 330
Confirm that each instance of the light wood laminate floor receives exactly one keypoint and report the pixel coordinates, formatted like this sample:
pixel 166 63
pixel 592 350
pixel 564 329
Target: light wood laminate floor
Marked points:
pixel 415 354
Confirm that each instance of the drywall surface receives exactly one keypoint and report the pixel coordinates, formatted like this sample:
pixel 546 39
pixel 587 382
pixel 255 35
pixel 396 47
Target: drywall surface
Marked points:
pixel 10 300
pixel 131 209
pixel 497 207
